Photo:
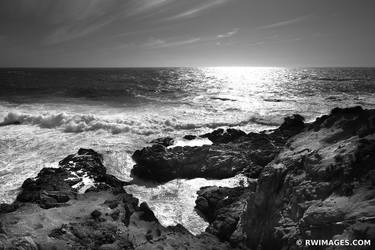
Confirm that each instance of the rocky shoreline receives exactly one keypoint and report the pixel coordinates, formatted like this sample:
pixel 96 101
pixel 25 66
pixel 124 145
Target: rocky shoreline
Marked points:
pixel 306 181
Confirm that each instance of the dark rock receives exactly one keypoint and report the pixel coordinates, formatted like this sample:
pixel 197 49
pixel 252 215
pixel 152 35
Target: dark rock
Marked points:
pixel 147 215
pixel 162 164
pixel 8 208
pixel 87 230
pixel 190 137
pixel 319 186
pixel 58 232
pixel 234 152
pixel 222 208
pixel 149 235
pixel 293 123
pixel 55 186
pixel 96 214
pixel 115 215
pixel 112 204
pixel 224 136
pixel 2 231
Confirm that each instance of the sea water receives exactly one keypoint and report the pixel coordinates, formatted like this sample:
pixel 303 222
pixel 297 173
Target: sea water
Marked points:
pixel 46 114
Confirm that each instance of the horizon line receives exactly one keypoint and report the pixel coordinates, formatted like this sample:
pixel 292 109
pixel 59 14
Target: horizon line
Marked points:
pixel 157 67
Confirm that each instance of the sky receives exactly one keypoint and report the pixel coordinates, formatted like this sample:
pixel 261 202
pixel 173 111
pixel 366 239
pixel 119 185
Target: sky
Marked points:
pixel 162 33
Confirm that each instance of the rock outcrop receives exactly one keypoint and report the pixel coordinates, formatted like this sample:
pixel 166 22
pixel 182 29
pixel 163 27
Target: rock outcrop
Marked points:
pixel 222 207
pixel 232 153
pixel 53 187
pixel 320 186
pixel 308 181
pixel 79 206
pixel 315 181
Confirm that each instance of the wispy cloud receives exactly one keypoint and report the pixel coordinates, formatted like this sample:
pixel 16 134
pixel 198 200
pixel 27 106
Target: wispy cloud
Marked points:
pixel 69 32
pixel 160 43
pixel 141 6
pixel 285 23
pixel 195 11
pixel 269 41
pixel 229 34
pixel 98 14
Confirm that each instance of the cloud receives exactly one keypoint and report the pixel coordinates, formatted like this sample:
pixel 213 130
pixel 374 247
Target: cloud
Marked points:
pixel 195 11
pixel 229 34
pixel 79 19
pixel 269 41
pixel 69 32
pixel 160 43
pixel 285 23
pixel 137 7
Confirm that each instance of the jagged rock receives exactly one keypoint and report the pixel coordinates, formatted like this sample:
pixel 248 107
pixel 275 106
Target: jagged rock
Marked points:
pixel 55 186
pixel 315 182
pixel 162 164
pixel 222 208
pixel 87 222
pixel 112 204
pixel 224 136
pixel 319 186
pixel 96 214
pixel 147 214
pixel 7 208
pixel 190 137
pixel 233 152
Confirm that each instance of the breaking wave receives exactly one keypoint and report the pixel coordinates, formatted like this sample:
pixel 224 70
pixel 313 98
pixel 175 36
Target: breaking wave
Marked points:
pixel 255 119
pixel 81 123
pixel 70 123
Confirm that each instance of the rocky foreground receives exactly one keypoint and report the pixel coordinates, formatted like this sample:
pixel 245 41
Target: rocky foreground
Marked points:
pixel 306 181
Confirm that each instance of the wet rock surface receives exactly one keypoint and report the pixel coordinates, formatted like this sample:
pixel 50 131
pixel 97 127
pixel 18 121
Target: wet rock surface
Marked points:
pixel 315 181
pixel 53 187
pixel 79 206
pixel 222 207
pixel 308 181
pixel 232 153
pixel 319 186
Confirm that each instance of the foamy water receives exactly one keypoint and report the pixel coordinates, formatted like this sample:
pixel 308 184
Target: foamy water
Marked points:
pixel 117 111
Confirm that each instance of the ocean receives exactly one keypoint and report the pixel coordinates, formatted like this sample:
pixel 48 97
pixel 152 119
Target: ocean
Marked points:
pixel 46 114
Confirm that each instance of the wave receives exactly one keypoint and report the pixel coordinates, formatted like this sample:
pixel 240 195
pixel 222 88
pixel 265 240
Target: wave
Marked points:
pixel 255 119
pixel 72 123
pixel 82 123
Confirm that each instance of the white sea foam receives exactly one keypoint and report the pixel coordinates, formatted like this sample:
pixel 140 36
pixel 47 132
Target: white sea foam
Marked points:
pixel 173 202
pixel 191 143
pixel 137 107
pixel 82 122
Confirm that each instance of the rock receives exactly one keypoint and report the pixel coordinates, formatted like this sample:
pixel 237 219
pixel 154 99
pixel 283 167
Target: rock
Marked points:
pixel 7 208
pixel 319 186
pixel 84 220
pixel 292 124
pixel 315 181
pixel 112 204
pixel 232 153
pixel 149 235
pixel 147 215
pixel 58 232
pixel 115 215
pixel 96 214
pixel 224 136
pixel 25 243
pixel 162 164
pixel 190 137
pixel 54 187
pixel 222 208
